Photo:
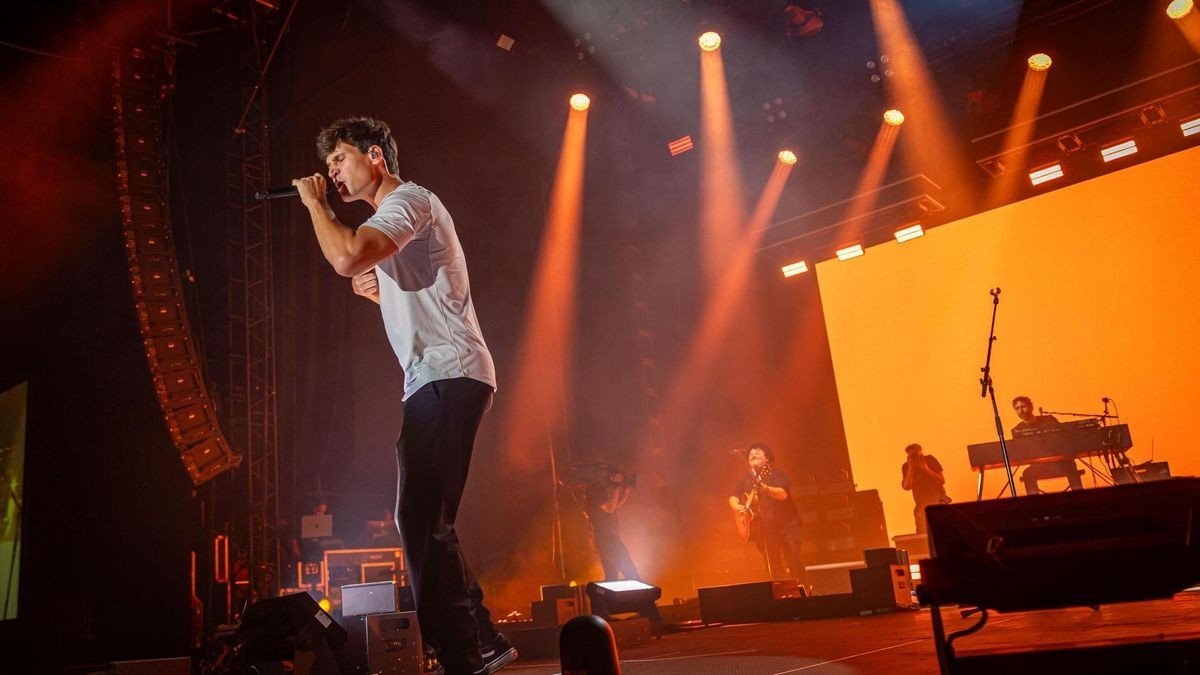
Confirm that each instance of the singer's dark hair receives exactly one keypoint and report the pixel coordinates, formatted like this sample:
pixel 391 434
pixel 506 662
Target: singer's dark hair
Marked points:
pixel 1026 399
pixel 362 133
pixel 912 447
pixel 766 451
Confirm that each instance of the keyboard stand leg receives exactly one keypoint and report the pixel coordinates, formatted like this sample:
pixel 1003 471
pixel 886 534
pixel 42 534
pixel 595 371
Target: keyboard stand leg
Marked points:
pixel 979 487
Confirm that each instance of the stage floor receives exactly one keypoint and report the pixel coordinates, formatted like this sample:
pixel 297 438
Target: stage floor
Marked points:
pixel 886 643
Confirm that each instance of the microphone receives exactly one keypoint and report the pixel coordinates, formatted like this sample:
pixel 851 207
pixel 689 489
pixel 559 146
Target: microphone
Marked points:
pixel 1105 399
pixel 289 191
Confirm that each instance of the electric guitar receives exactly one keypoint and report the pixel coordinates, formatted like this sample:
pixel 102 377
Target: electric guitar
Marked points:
pixel 743 518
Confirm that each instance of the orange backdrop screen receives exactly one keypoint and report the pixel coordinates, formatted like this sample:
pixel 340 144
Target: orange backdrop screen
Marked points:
pixel 1100 298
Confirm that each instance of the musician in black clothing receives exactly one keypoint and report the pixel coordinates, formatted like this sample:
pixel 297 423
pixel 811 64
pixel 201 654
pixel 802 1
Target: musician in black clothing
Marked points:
pixel 601 499
pixel 1031 425
pixel 764 492
pixel 923 475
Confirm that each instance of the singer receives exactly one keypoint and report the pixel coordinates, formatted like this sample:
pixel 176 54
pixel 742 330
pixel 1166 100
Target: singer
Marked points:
pixel 407 259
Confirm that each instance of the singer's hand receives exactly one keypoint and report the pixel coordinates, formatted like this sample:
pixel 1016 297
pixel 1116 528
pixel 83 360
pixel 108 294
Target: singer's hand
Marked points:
pixel 366 285
pixel 312 190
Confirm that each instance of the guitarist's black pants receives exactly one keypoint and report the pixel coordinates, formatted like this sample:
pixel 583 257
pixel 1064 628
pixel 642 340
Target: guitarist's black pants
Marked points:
pixel 433 456
pixel 780 544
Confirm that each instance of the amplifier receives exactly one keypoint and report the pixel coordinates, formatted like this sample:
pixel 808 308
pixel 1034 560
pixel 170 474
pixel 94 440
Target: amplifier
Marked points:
pixel 384 644
pixel 882 588
pixel 380 597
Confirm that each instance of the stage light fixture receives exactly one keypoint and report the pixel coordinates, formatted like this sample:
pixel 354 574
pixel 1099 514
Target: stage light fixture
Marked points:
pixel 1180 8
pixel 910 232
pixel 795 268
pixel 893 117
pixel 1040 62
pixel 1123 149
pixel 580 102
pixel 1046 174
pixel 325 604
pixel 619 597
pixel 710 41
pixel 787 157
pixel 849 252
pixel 1190 127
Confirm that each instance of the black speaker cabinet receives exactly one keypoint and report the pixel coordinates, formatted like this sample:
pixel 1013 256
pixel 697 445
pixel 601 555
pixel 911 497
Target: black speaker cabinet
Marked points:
pixel 748 603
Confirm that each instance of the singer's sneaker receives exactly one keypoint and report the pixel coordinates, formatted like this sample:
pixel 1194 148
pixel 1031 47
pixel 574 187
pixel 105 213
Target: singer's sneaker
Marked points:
pixel 498 653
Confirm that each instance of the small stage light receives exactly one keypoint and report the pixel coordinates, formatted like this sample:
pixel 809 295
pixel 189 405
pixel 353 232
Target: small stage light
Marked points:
pixel 580 102
pixel 1046 174
pixel 619 597
pixel 849 252
pixel 893 117
pixel 1180 8
pixel 680 145
pixel 1119 150
pixel 794 268
pixel 910 232
pixel 1040 62
pixel 787 157
pixel 1190 127
pixel 325 604
pixel 710 41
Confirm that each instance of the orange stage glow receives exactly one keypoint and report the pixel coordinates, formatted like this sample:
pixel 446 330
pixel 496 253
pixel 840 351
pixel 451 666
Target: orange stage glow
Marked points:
pixel 1015 149
pixel 1056 341
pixel 928 144
pixel 537 409
pixel 722 205
pixel 580 102
pixel 710 41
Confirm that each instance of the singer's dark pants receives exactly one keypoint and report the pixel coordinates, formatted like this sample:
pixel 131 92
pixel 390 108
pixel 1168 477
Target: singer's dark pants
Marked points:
pixel 434 455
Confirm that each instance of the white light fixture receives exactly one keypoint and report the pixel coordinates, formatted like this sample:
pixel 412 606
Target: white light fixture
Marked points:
pixel 1123 149
pixel 1190 127
pixel 1046 174
pixel 794 269
pixel 849 252
pixel 911 232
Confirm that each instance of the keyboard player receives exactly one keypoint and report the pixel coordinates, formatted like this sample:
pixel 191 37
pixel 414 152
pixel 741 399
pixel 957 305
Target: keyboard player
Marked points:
pixel 1031 425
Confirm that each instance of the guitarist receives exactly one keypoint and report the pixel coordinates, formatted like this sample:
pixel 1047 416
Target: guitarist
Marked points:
pixel 763 497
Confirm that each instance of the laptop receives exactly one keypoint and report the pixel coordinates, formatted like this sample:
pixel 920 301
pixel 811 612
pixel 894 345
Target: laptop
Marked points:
pixel 316 527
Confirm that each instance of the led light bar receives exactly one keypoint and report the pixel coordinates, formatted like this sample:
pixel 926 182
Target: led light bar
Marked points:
pixel 680 145
pixel 1049 173
pixel 1123 149
pixel 911 232
pixel 794 269
pixel 1191 127
pixel 849 252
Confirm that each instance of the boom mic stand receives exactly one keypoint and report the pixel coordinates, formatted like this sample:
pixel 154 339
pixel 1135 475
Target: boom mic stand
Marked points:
pixel 988 389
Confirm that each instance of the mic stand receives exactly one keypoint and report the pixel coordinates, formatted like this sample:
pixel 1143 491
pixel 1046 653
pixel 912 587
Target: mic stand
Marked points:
pixel 1102 416
pixel 989 390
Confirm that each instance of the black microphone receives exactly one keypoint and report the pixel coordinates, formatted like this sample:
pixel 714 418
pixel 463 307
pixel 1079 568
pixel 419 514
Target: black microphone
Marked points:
pixel 1105 399
pixel 289 191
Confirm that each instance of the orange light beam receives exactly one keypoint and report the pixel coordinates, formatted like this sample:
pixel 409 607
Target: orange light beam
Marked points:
pixel 722 205
pixel 865 193
pixel 722 306
pixel 540 391
pixel 1189 25
pixel 1015 149
pixel 929 143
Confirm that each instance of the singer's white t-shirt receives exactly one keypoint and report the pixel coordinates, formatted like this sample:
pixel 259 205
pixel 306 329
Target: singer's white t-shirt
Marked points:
pixel 424 293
